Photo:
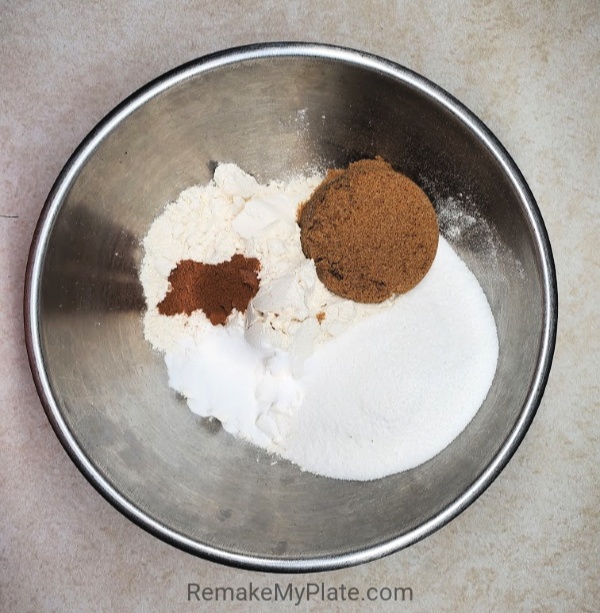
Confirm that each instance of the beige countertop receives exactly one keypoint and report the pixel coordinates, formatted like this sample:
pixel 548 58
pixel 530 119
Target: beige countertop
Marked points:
pixel 531 72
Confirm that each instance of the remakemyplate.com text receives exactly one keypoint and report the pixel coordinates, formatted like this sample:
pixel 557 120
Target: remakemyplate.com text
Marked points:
pixel 289 592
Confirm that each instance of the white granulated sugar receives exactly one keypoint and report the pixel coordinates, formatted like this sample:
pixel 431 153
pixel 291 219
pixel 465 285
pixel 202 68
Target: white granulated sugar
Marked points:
pixel 397 388
pixel 342 389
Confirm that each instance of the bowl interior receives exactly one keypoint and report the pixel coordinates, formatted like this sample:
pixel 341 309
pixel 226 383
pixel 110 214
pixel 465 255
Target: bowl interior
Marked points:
pixel 274 116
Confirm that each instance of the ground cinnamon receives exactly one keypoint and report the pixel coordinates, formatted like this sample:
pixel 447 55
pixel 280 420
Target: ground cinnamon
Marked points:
pixel 371 231
pixel 217 289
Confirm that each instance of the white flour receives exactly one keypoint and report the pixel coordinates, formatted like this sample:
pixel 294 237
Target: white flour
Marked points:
pixel 234 214
pixel 367 391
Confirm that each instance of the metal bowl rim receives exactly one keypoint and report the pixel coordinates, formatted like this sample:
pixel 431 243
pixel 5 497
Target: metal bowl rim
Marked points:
pixel 191 70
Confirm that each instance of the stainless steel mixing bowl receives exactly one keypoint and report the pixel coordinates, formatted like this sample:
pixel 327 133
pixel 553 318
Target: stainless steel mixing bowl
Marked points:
pixel 275 110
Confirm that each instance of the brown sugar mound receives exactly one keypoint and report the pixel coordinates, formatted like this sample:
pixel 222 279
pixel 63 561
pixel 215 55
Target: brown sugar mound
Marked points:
pixel 217 289
pixel 371 231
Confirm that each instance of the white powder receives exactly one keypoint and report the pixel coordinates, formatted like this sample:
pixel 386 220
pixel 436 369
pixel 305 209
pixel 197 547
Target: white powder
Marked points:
pixel 397 388
pixel 369 391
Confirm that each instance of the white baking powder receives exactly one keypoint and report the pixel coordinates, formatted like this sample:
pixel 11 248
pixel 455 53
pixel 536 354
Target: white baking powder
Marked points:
pixel 342 389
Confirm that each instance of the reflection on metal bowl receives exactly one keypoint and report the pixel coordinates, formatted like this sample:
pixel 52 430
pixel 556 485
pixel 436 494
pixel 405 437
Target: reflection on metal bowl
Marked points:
pixel 275 110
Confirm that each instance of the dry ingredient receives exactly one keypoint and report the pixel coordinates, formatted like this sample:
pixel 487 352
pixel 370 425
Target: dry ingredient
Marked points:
pixel 292 309
pixel 371 231
pixel 398 387
pixel 346 390
pixel 217 289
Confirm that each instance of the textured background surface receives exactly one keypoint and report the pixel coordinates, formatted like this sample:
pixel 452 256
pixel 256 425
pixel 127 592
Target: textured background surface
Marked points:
pixel 531 71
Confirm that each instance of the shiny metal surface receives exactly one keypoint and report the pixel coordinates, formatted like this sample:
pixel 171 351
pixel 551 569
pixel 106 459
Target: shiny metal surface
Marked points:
pixel 274 110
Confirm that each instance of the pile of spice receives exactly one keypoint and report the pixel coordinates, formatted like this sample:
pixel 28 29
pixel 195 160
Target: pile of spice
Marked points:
pixel 216 289
pixel 253 314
